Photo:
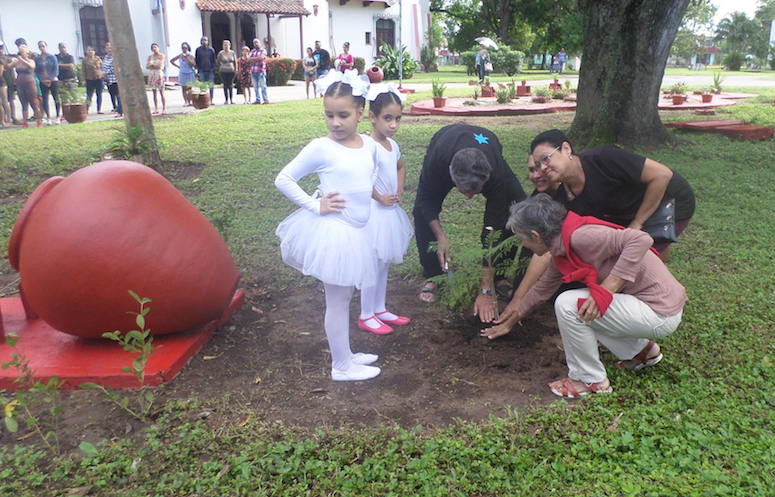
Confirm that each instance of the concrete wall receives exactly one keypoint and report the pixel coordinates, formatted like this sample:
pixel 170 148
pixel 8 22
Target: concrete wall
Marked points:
pixel 184 25
pixel 53 21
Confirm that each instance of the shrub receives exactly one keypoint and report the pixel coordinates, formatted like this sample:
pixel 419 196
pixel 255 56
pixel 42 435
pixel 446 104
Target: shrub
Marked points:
pixel 502 96
pixel 278 71
pixel 428 59
pixel 507 61
pixel 298 73
pixel 388 62
pixel 733 61
pixel 468 59
pixel 359 63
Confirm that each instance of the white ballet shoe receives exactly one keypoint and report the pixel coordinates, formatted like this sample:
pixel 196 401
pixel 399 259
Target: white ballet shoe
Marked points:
pixel 356 372
pixel 364 359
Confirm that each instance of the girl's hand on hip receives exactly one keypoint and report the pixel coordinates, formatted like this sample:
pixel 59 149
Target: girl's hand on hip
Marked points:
pixel 330 203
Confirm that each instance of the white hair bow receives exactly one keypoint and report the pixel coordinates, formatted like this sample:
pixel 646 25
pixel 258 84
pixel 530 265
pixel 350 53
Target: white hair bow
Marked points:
pixel 359 85
pixel 378 89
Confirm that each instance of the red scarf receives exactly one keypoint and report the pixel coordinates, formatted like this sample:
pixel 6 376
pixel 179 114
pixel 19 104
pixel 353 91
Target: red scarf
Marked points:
pixel 573 268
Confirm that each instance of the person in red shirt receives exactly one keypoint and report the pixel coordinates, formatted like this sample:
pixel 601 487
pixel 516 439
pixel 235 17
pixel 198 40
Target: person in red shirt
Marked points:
pixel 631 296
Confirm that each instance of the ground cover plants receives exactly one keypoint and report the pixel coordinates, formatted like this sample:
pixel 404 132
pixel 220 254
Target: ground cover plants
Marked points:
pixel 700 424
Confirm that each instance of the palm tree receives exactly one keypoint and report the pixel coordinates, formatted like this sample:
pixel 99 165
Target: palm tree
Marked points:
pixel 737 33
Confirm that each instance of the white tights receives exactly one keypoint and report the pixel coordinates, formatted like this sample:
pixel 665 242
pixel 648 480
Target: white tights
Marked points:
pixel 337 324
pixel 373 297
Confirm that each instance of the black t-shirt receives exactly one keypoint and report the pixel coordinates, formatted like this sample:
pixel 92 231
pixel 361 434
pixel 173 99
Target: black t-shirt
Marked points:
pixel 501 189
pixel 66 73
pixel 325 58
pixel 613 190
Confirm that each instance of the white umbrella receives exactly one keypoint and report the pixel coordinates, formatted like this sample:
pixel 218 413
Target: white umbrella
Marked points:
pixel 487 42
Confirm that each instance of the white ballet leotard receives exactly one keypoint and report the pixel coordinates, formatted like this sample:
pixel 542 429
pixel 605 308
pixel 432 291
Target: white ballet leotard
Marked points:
pixel 334 248
pixel 389 227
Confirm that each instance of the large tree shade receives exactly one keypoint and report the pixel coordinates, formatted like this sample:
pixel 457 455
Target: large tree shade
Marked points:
pixel 626 44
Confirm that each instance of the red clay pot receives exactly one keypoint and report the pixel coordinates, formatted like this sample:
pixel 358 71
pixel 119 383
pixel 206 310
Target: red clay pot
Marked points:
pixel 201 101
pixel 375 74
pixel 678 99
pixel 81 242
pixel 707 98
pixel 439 102
pixel 75 113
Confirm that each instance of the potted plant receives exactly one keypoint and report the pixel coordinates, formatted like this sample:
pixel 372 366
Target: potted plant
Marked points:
pixel 437 89
pixel 541 96
pixel 707 96
pixel 487 90
pixel 678 93
pixel 74 105
pixel 200 94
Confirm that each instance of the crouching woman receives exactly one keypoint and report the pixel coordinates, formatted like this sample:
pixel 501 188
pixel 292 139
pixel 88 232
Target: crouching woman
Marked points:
pixel 631 297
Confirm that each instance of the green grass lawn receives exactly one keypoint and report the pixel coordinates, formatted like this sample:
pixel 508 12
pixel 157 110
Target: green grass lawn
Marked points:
pixel 700 424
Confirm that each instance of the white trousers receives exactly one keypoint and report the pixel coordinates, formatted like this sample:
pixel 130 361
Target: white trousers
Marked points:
pixel 625 330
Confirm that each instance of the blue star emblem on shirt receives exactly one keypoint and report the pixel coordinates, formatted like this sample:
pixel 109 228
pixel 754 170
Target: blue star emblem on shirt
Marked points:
pixel 481 139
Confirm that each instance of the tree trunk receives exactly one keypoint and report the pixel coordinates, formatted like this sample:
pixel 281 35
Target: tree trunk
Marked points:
pixel 131 84
pixel 626 44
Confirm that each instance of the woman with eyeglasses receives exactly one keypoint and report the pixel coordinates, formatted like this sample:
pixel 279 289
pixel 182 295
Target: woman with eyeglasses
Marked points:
pixel 612 184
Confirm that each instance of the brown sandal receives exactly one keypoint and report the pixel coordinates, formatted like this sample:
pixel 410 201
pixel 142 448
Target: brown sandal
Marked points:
pixel 566 388
pixel 429 288
pixel 642 359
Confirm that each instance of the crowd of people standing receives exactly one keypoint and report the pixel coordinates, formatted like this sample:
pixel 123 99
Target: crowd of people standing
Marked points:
pixel 31 81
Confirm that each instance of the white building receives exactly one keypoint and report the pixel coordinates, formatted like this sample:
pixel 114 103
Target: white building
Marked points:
pixel 288 25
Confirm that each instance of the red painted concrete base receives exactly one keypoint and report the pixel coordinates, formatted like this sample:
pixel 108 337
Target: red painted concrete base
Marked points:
pixel 746 132
pixel 75 360
pixel 703 125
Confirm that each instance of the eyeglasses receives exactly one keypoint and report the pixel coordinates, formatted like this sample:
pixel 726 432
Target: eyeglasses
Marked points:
pixel 547 157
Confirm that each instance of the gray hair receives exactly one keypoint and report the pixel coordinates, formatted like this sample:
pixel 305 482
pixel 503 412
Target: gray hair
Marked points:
pixel 470 169
pixel 540 214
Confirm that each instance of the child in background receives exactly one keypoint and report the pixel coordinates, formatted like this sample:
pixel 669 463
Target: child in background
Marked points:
pixel 326 238
pixel 389 227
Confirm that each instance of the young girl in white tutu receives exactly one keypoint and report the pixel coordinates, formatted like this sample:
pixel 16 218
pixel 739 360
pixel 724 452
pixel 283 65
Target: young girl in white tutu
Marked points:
pixel 326 238
pixel 388 227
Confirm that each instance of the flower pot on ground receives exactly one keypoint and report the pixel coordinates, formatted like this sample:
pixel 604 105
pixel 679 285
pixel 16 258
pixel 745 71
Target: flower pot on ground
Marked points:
pixel 439 102
pixel 707 98
pixel 678 99
pixel 200 101
pixel 437 88
pixel 200 94
pixel 74 105
pixel 488 91
pixel 541 96
pixel 75 113
pixel 375 74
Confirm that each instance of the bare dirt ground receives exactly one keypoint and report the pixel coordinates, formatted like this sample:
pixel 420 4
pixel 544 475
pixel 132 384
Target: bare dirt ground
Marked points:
pixel 272 360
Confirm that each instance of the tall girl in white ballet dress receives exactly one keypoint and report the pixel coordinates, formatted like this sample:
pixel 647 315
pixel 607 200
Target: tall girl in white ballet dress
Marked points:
pixel 326 238
pixel 388 227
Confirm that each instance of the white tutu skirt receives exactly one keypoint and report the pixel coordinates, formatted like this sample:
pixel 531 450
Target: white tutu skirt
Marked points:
pixel 328 249
pixel 390 231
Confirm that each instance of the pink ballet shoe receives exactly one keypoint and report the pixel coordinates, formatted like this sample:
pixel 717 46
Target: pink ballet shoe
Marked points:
pixel 399 321
pixel 383 329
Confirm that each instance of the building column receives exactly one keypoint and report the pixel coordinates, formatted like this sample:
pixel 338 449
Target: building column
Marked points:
pixel 206 29
pixel 233 36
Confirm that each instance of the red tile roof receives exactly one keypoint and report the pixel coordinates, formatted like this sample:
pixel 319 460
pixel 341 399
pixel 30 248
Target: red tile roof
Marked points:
pixel 292 7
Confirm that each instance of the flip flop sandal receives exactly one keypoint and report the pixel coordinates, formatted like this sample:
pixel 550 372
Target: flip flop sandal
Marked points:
pixel 565 388
pixel 427 288
pixel 641 360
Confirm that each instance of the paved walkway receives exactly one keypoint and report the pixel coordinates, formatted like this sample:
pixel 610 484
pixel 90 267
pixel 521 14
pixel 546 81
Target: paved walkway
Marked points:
pixel 296 91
